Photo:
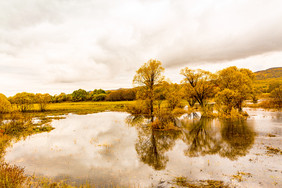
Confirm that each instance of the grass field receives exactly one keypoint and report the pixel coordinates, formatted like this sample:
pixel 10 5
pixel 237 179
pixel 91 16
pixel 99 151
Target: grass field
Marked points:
pixel 80 107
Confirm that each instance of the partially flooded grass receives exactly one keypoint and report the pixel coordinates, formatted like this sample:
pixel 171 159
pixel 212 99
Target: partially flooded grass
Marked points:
pixel 19 125
pixel 271 135
pixel 15 127
pixel 184 182
pixel 271 150
pixel 240 176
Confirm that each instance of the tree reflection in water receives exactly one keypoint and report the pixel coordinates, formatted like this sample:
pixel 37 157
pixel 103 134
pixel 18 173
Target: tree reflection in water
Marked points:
pixel 238 138
pixel 231 139
pixel 152 145
pixel 200 138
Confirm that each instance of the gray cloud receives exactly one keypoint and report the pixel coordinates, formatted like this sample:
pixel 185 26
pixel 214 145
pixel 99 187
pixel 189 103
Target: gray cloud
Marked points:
pixel 99 44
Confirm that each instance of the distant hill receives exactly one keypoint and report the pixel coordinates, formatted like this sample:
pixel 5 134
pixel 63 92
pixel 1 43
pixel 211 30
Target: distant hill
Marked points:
pixel 275 72
pixel 268 77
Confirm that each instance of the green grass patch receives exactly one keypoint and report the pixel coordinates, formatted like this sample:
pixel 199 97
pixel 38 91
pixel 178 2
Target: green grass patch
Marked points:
pixel 81 107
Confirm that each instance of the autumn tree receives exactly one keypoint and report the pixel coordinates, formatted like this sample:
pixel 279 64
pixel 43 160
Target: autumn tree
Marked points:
pixel 273 85
pixel 43 100
pixel 97 95
pixel 235 85
pixel 173 96
pixel 24 101
pixel 79 95
pixel 122 95
pixel 160 94
pixel 199 85
pixel 188 94
pixel 61 98
pixel 149 76
pixel 5 105
pixel 276 96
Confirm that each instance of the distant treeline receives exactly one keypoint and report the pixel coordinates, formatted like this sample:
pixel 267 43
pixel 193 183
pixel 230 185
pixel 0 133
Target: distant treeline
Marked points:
pixel 96 95
pixel 76 96
pixel 24 101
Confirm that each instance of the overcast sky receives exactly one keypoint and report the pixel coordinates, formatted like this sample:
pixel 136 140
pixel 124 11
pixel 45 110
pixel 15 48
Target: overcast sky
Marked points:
pixel 62 45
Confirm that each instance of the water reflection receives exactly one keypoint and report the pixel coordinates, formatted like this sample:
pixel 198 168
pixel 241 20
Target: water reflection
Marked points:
pixel 102 149
pixel 200 137
pixel 204 136
pixel 237 139
pixel 152 145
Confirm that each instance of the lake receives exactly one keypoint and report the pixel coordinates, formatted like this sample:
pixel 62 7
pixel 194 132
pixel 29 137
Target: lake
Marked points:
pixel 104 150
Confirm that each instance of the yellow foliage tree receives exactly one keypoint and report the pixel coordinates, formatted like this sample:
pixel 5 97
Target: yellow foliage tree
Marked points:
pixel 276 96
pixel 148 77
pixel 24 101
pixel 238 83
pixel 199 85
pixel 43 100
pixel 5 105
pixel 173 96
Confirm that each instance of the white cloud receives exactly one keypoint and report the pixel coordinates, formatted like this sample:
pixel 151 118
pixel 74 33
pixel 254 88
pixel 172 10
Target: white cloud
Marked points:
pixel 58 45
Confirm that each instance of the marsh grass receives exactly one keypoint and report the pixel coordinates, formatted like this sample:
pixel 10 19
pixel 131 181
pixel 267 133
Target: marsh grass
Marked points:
pixel 272 150
pixel 14 127
pixel 184 182
pixel 11 176
pixel 83 107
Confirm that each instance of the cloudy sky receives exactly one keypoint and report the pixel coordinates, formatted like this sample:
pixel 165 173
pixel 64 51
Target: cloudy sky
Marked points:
pixel 61 45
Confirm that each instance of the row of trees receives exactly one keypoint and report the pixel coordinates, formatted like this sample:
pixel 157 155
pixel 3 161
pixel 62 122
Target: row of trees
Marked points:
pixel 229 87
pixel 96 95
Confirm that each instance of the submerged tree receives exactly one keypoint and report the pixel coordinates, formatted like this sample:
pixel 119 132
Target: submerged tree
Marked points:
pixel 199 83
pixel 236 85
pixel 199 86
pixel 148 77
pixel 173 96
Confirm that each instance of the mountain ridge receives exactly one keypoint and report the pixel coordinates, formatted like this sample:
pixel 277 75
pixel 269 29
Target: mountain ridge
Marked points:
pixel 274 72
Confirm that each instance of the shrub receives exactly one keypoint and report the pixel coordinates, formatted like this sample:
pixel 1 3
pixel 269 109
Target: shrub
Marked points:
pixel 24 101
pixel 11 175
pixel 5 105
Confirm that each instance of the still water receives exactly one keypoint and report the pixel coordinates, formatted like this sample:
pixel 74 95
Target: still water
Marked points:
pixel 102 149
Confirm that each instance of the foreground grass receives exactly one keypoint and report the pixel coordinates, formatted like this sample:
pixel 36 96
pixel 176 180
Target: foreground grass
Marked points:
pixel 17 128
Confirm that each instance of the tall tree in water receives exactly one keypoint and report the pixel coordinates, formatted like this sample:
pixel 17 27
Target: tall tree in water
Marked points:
pixel 198 85
pixel 148 77
pixel 236 85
